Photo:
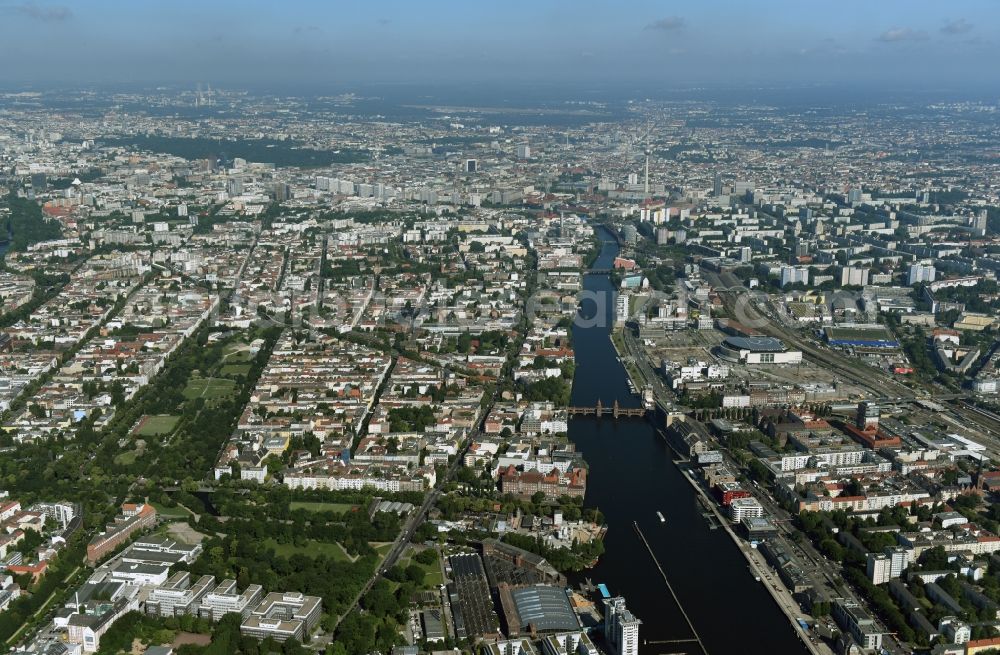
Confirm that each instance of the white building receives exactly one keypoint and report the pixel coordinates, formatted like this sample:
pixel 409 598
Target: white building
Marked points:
pixel 741 508
pixel 955 631
pixel 920 273
pixel 226 599
pixel 854 277
pixel 621 309
pixel 878 568
pixel 793 275
pixel 621 628
pixel 569 643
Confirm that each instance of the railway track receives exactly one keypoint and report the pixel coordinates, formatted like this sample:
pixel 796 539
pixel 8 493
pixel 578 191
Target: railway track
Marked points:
pixel 869 380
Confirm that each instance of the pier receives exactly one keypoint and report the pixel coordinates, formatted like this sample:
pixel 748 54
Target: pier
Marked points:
pixel 600 410
pixel 695 638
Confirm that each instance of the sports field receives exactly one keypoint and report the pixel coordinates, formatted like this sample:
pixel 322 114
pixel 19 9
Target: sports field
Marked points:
pixel 154 426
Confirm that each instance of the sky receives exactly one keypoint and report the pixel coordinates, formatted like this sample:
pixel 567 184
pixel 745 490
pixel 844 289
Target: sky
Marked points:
pixel 905 43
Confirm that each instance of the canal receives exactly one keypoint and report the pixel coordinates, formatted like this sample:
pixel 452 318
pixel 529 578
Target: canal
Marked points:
pixel 632 476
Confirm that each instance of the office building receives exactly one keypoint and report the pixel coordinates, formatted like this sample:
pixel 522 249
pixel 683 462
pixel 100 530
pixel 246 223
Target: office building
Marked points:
pixel 523 151
pixel 226 599
pixel 854 620
pixel 177 596
pixel 741 508
pixel 471 165
pixel 282 616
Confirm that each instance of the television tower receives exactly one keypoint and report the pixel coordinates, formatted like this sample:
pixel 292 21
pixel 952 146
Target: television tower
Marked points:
pixel 645 186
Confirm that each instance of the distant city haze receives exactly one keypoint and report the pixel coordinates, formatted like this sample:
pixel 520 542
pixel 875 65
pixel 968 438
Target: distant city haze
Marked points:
pixel 913 44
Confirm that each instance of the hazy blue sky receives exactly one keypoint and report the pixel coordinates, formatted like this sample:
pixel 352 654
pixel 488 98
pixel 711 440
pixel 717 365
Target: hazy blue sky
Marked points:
pixel 900 42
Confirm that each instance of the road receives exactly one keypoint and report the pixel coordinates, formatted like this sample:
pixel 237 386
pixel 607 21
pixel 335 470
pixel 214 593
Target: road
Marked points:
pixel 416 518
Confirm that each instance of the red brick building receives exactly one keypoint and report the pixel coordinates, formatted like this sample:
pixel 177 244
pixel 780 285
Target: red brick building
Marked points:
pixel 134 517
pixel 553 484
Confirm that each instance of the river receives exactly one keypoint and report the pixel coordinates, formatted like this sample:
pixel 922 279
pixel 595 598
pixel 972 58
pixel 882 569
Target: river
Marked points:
pixel 632 476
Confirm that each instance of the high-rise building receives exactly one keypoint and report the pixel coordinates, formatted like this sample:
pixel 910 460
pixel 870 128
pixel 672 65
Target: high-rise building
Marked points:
pixel 621 627
pixel 280 191
pixel 234 186
pixel 853 277
pixel 523 151
pixel 621 309
pixel 854 195
pixel 980 222
pixel 717 185
pixel 867 416
pixel 794 275
pixel 878 568
pixel 899 559
pixel 471 165
pixel 888 565
pixel 921 273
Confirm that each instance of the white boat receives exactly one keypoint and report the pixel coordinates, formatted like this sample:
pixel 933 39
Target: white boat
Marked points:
pixel 662 519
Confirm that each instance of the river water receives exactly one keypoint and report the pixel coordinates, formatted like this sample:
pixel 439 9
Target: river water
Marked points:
pixel 632 476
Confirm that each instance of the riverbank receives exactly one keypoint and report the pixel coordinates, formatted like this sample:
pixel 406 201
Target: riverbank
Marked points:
pixel 632 477
pixel 762 571
pixel 618 343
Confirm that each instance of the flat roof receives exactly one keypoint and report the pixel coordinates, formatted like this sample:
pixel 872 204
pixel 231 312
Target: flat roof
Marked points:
pixel 756 344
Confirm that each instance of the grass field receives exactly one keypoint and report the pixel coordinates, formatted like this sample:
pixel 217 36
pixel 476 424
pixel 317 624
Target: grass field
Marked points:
pixel 321 507
pixel 171 512
pixel 236 353
pixel 311 548
pixel 154 426
pixel 433 573
pixel 233 370
pixel 126 458
pixel 208 388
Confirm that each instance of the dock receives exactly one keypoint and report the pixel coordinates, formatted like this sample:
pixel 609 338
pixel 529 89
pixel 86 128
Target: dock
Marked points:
pixel 696 638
